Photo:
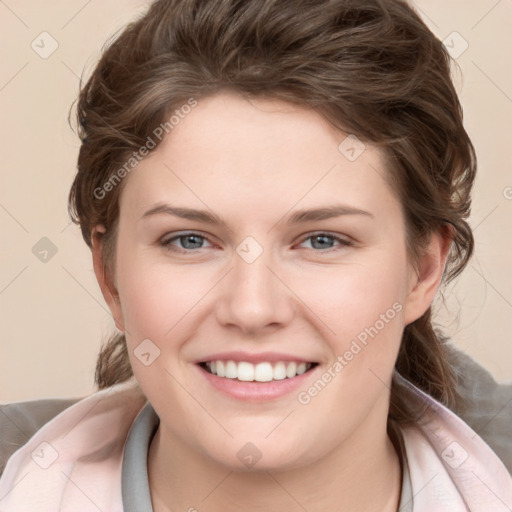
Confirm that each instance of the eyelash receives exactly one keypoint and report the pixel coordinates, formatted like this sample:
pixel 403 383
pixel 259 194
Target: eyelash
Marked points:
pixel 342 241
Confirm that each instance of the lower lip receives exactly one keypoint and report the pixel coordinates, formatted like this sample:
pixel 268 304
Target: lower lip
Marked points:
pixel 256 391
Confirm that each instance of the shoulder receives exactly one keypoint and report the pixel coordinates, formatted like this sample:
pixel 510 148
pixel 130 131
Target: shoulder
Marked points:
pixel 488 404
pixel 459 466
pixel 19 421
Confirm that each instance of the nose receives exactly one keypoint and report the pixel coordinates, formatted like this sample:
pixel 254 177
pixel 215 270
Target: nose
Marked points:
pixel 253 298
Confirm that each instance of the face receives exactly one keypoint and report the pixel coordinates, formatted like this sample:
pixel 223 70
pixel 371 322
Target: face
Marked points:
pixel 297 262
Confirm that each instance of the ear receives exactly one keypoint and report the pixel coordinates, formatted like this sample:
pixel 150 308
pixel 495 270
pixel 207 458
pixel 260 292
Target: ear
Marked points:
pixel 424 282
pixel 105 280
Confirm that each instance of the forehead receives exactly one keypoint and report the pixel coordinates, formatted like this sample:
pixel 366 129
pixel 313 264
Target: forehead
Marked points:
pixel 257 151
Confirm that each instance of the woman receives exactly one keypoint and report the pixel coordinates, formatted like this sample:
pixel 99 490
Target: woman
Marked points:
pixel 273 193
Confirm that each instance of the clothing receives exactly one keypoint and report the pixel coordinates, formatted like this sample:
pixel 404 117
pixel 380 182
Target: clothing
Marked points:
pixel 488 410
pixel 406 501
pixel 75 461
pixel 135 485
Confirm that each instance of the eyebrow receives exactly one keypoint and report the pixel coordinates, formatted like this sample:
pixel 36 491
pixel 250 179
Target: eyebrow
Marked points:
pixel 298 217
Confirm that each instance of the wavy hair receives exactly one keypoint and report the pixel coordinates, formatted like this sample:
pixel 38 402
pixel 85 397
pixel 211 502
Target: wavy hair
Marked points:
pixel 370 67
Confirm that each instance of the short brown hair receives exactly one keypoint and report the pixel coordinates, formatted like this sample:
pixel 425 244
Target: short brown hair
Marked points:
pixel 370 67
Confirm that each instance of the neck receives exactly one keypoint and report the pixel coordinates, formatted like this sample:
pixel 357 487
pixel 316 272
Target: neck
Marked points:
pixel 361 474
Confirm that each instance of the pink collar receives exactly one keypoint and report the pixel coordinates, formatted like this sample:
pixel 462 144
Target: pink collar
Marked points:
pixel 451 468
pixel 74 461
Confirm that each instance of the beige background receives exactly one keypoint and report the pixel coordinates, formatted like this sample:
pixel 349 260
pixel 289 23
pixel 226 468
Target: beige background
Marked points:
pixel 53 316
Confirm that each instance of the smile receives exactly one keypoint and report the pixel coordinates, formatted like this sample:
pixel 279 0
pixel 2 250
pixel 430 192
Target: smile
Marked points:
pixel 260 372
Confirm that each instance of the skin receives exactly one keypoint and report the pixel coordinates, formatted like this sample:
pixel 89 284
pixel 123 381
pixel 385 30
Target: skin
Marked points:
pixel 253 163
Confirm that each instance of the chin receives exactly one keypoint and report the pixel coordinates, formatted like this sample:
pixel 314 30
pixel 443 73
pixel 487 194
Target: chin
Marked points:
pixel 260 454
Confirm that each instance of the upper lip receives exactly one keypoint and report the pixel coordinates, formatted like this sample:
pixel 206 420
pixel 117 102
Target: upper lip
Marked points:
pixel 255 358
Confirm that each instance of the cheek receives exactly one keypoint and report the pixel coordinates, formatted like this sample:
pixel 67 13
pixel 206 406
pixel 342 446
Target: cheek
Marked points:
pixel 361 307
pixel 350 299
pixel 157 298
pixel 364 307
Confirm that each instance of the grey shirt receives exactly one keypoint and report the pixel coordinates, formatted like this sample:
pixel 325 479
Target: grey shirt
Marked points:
pixel 488 412
pixel 135 485
pixel 134 477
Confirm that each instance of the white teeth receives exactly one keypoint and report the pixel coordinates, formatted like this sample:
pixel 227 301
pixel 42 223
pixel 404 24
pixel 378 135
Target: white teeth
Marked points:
pixel 220 369
pixel 231 371
pixel 245 371
pixel 261 372
pixel 279 371
pixel 291 370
